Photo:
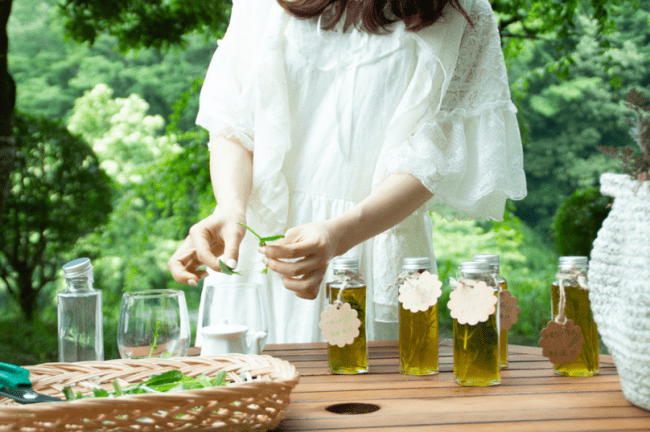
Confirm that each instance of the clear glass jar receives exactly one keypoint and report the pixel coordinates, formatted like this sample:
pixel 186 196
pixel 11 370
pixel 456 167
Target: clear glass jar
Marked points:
pixel 578 309
pixel 494 262
pixel 80 315
pixel 353 358
pixel 476 347
pixel 418 331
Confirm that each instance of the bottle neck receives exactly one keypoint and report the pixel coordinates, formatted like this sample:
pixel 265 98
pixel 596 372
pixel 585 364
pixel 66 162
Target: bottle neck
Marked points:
pixel 79 284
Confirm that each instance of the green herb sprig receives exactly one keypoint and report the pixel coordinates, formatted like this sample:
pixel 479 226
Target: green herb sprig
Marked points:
pixel 170 381
pixel 263 241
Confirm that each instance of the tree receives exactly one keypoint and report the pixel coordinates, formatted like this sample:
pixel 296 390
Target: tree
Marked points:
pixel 59 194
pixel 7 103
pixel 121 133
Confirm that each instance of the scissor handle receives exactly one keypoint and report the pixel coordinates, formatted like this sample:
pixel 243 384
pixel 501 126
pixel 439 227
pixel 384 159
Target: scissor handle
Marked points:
pixel 13 376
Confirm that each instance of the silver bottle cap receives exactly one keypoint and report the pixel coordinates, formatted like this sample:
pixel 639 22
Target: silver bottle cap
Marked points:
pixel 489 258
pixel 77 268
pixel 569 262
pixel 417 263
pixel 345 263
pixel 474 267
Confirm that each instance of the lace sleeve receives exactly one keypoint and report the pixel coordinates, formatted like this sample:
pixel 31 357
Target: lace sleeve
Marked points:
pixel 469 152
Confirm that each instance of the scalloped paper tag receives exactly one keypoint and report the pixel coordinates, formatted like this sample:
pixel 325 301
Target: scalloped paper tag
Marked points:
pixel 339 325
pixel 472 305
pixel 508 310
pixel 420 291
pixel 561 343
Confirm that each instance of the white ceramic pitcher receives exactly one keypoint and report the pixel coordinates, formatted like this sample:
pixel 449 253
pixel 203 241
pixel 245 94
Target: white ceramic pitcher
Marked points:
pixel 225 338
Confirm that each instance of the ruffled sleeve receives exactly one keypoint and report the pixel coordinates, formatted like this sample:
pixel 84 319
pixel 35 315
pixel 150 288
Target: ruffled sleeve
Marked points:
pixel 467 151
pixel 227 102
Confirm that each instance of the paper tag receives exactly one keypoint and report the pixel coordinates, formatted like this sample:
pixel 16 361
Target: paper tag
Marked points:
pixel 420 291
pixel 339 325
pixel 472 305
pixel 561 343
pixel 508 310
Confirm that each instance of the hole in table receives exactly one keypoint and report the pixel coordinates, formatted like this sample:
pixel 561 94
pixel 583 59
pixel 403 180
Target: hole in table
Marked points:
pixel 352 408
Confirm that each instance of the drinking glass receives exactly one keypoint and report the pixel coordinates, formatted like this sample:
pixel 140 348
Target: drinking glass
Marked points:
pixel 153 323
pixel 232 319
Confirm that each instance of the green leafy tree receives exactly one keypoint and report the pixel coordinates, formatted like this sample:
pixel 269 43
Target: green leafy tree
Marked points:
pixel 59 194
pixel 567 119
pixel 121 132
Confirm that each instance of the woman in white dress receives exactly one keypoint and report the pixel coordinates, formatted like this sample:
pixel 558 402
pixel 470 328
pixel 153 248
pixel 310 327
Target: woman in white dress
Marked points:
pixel 342 124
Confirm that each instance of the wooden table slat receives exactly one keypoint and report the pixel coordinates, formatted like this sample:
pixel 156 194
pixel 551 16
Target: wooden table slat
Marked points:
pixel 531 397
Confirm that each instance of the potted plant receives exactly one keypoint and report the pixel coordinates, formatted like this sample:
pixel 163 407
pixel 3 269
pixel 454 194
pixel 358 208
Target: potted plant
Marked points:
pixel 619 269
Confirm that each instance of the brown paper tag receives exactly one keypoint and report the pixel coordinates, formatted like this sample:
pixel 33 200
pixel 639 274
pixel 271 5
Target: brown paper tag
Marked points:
pixel 509 311
pixel 339 324
pixel 419 292
pixel 472 305
pixel 561 343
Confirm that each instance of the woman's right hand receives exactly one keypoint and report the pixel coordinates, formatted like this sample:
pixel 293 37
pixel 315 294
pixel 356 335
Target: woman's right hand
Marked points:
pixel 217 236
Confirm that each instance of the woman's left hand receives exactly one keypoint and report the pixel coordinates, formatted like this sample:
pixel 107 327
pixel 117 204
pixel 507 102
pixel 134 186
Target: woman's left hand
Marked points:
pixel 311 246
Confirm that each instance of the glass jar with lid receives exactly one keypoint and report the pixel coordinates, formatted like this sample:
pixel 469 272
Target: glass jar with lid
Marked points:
pixel 570 300
pixel 418 331
pixel 353 358
pixel 476 347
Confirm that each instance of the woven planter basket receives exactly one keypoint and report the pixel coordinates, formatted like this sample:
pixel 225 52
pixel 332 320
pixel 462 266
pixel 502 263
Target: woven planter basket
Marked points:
pixel 619 283
pixel 241 405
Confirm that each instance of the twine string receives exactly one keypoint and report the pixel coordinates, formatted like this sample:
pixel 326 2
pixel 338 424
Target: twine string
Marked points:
pixel 345 280
pixel 563 276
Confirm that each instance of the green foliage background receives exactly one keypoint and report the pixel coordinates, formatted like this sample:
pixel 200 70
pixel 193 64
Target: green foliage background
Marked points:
pixel 565 110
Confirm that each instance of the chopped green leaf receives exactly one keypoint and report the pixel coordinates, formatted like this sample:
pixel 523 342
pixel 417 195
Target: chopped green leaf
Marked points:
pixel 227 270
pixel 67 392
pixel 219 380
pixel 116 388
pixel 98 392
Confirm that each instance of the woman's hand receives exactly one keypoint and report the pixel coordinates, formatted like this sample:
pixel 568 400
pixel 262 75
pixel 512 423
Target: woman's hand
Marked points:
pixel 312 246
pixel 218 235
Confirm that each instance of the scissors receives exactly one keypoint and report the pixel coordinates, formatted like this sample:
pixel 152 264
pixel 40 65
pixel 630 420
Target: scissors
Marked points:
pixel 15 384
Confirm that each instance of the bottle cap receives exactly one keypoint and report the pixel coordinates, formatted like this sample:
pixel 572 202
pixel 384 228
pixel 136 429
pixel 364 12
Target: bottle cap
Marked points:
pixel 474 267
pixel 489 258
pixel 417 263
pixel 77 268
pixel 345 263
pixel 569 262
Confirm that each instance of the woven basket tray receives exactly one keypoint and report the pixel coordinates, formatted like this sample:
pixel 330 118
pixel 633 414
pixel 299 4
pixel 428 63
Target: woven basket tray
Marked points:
pixel 241 405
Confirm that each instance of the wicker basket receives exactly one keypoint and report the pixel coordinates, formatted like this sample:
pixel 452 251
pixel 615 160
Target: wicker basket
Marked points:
pixel 257 392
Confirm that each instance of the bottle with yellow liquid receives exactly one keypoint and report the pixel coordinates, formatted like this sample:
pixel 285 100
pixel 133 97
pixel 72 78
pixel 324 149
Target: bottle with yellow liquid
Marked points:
pixel 418 331
pixel 476 347
pixel 495 262
pixel 573 275
pixel 353 358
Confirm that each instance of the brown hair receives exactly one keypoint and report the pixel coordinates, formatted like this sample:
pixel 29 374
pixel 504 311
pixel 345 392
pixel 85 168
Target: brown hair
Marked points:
pixel 374 16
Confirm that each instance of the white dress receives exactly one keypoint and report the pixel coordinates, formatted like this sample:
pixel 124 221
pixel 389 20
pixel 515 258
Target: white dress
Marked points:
pixel 330 114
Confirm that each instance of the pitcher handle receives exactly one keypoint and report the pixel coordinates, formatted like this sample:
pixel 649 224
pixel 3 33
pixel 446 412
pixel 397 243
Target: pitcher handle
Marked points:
pixel 256 346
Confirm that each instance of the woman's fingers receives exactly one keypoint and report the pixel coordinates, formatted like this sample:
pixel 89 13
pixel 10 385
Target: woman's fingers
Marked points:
pixel 295 269
pixel 306 287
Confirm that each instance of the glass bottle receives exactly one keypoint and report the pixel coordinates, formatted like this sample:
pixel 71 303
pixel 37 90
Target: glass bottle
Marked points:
pixel 578 309
pixel 494 262
pixel 80 315
pixel 476 348
pixel 418 331
pixel 353 358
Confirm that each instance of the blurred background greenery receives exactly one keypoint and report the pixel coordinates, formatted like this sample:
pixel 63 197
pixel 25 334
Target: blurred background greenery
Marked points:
pixel 132 97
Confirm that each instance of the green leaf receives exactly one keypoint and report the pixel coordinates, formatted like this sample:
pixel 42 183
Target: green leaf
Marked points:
pixel 268 239
pixel 227 270
pixel 98 392
pixel 220 379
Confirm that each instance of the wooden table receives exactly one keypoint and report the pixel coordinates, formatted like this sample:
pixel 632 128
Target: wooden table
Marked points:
pixel 530 398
